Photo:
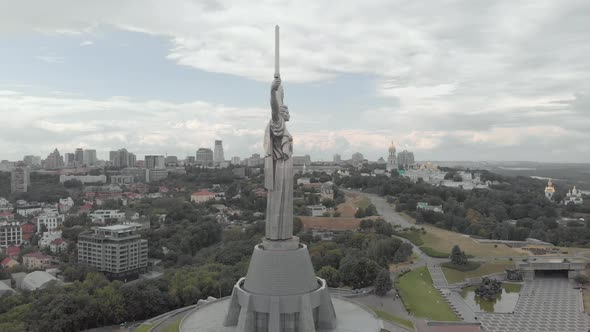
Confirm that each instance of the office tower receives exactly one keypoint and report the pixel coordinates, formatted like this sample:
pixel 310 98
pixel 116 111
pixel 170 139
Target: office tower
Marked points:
pixel 69 159
pixel 79 156
pixel 405 159
pixel 155 162
pixel 204 157
pixel 89 157
pixel 20 179
pixel 218 156
pixel 337 159
pixel 54 160
pixel 235 160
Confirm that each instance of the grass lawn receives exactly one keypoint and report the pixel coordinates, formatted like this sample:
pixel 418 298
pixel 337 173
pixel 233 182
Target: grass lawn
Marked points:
pixel 414 236
pixel 443 241
pixel 393 319
pixel 363 202
pixel 434 253
pixel 174 327
pixel 421 298
pixel 454 276
pixel 144 327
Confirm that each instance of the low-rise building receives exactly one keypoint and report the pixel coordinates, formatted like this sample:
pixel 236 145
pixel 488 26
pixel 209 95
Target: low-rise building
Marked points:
pixel 118 251
pixel 316 210
pixel 327 190
pixel 65 204
pixel 100 216
pixel 157 175
pixel 122 179
pixel 28 230
pixel 428 207
pixel 36 260
pixel 203 196
pixel 48 237
pixel 84 178
pixel 27 209
pixel 38 280
pixel 58 245
pixel 51 220
pixel 8 263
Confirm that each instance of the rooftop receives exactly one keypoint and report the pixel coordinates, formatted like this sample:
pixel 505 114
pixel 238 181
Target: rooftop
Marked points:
pixel 115 228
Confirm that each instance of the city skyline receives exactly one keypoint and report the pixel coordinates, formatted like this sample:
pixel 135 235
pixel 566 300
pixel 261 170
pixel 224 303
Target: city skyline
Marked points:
pixel 473 82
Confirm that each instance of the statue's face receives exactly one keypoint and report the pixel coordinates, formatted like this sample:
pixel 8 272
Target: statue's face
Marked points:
pixel 285 112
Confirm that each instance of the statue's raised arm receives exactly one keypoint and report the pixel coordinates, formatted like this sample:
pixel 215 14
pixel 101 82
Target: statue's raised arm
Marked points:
pixel 275 104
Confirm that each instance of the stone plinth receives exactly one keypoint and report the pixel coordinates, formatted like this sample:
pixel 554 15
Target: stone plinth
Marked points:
pixel 280 292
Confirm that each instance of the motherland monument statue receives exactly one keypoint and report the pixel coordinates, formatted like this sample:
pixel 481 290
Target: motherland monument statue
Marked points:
pixel 280 291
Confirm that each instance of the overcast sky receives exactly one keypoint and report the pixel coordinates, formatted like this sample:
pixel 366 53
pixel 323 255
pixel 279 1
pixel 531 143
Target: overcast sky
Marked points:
pixel 449 80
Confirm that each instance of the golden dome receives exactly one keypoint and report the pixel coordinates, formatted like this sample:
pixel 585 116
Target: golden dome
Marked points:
pixel 392 147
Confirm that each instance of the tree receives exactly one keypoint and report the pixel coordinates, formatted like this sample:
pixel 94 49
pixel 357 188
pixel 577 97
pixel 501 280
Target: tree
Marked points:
pixel 358 272
pixel 360 213
pixel 581 279
pixel 458 257
pixel 331 275
pixel 382 283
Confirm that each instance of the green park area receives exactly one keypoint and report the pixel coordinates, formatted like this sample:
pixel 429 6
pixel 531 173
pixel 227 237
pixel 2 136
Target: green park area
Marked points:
pixel 437 242
pixel 455 275
pixel 393 319
pixel 145 327
pixel 421 298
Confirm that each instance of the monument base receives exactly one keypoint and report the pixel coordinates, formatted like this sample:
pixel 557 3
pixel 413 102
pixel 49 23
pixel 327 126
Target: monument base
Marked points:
pixel 281 292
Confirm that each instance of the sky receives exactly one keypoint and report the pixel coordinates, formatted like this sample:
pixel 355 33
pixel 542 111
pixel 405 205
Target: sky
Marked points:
pixel 448 80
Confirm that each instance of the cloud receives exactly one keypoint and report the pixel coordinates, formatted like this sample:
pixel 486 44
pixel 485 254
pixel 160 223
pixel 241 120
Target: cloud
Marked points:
pixel 50 58
pixel 87 43
pixel 484 75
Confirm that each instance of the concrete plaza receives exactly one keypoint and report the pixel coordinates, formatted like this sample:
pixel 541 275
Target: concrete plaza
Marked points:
pixel 545 305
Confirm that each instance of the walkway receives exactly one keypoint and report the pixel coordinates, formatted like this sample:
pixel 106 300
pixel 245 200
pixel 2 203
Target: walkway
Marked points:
pixel 544 305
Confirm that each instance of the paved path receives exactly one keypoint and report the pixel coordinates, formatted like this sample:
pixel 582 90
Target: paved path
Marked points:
pixel 438 277
pixel 544 305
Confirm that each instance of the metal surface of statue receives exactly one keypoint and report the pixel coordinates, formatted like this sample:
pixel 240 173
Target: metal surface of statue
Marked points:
pixel 278 167
pixel 280 291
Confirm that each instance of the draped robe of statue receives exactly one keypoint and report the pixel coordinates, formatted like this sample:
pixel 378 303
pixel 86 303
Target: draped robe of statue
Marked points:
pixel 278 169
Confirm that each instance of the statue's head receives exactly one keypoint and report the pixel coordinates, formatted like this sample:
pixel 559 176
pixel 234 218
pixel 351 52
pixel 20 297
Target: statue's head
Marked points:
pixel 284 111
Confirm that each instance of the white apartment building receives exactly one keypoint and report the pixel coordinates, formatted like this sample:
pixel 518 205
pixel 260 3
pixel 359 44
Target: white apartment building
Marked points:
pixel 10 234
pixel 117 251
pixel 102 215
pixel 52 220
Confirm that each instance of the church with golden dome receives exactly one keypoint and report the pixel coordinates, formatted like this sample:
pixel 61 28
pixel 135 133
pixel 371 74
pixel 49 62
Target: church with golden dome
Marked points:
pixel 549 190
pixel 392 158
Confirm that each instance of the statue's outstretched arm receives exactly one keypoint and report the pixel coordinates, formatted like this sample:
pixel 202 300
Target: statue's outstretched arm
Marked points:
pixel 274 102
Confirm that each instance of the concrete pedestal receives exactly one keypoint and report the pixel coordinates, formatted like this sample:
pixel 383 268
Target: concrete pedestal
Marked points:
pixel 280 292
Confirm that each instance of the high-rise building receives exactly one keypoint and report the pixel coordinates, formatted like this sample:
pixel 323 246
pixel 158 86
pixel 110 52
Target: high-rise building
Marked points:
pixel 69 159
pixel 171 160
pixel 54 160
pixel 118 251
pixel 204 157
pixel 235 160
pixel 190 160
pixel 20 179
pixel 405 159
pixel 32 160
pixel 155 162
pixel 122 158
pixel 218 156
pixel 79 156
pixel 337 159
pixel 131 159
pixel 89 157
pixel 392 158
